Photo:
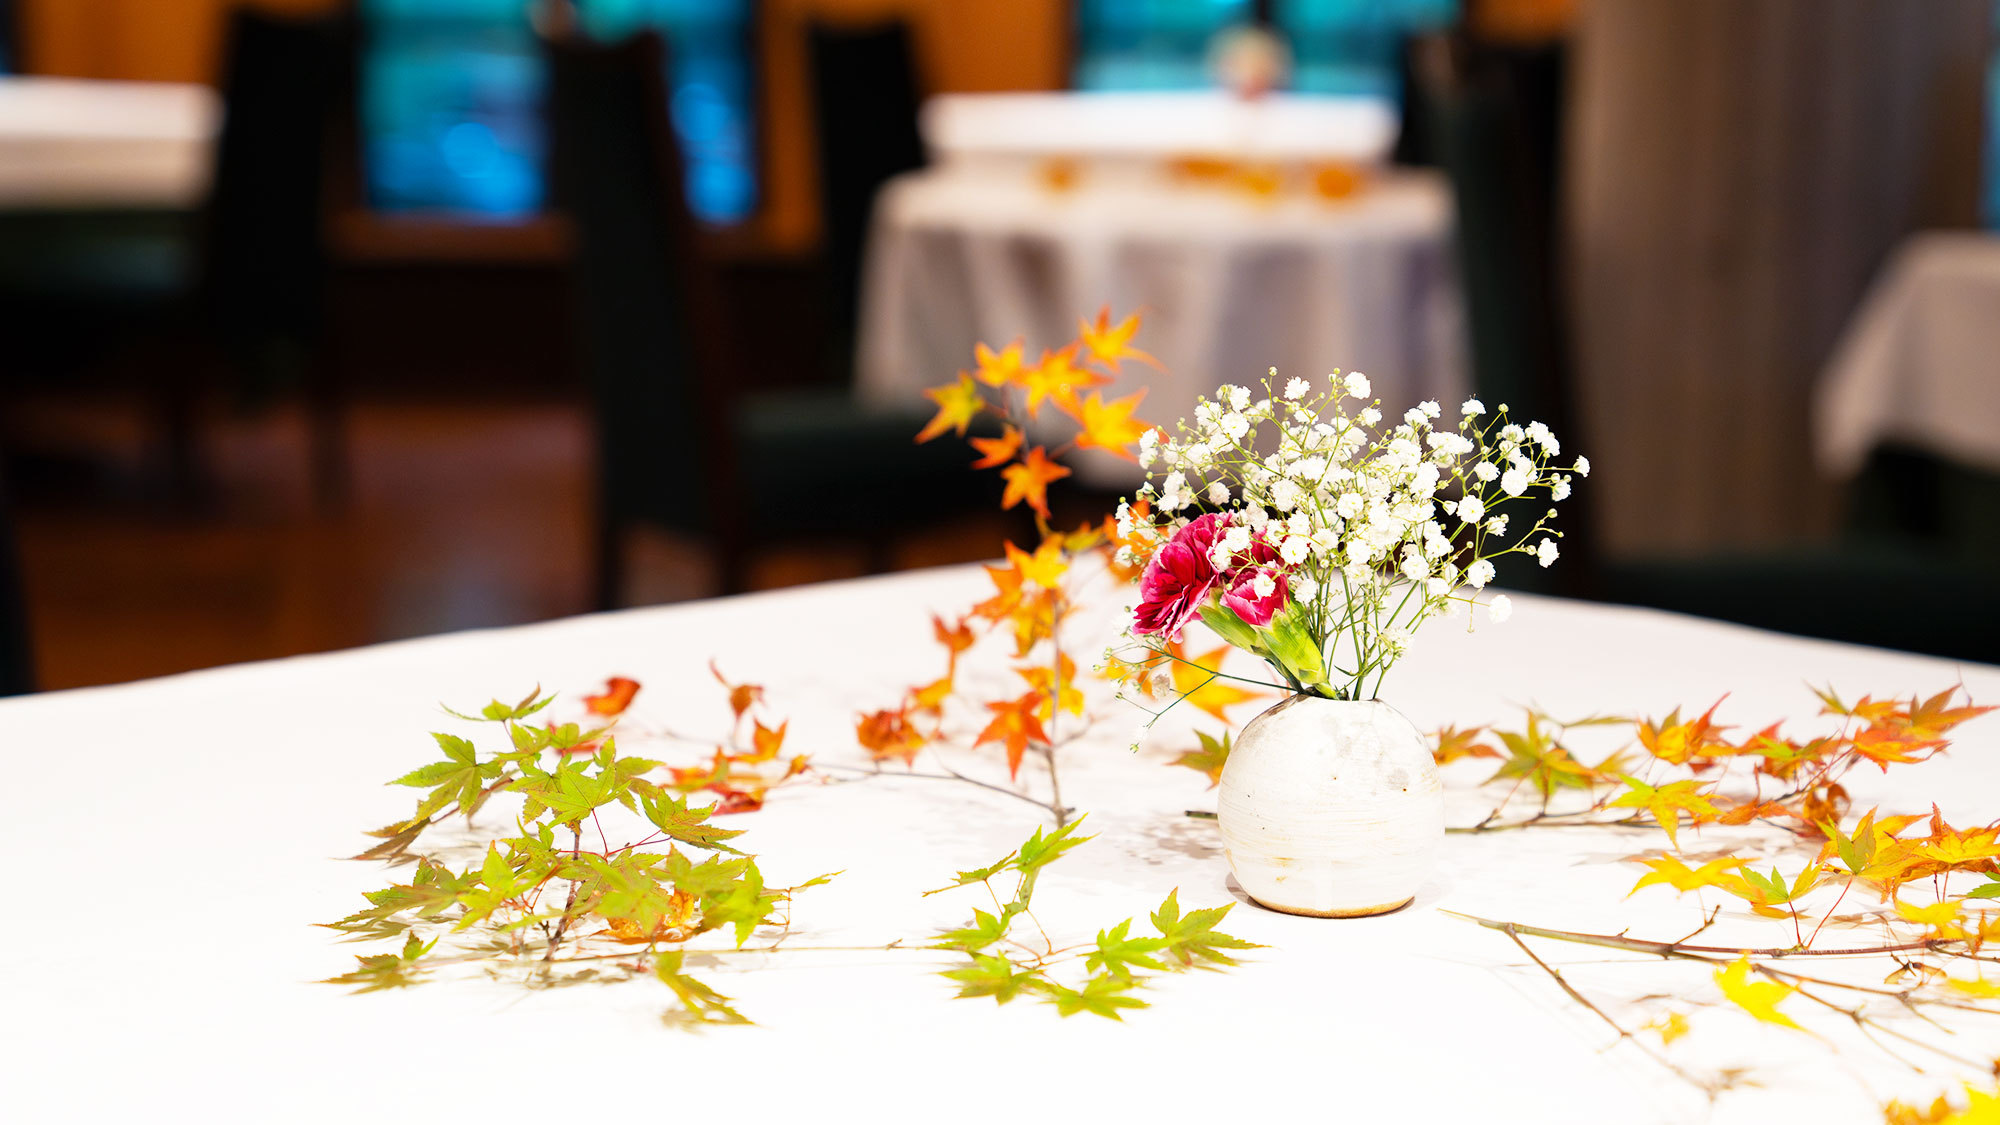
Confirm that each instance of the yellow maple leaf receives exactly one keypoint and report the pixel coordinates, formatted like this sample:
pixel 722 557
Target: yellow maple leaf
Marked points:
pixel 1672 872
pixel 957 403
pixel 1197 680
pixel 1666 803
pixel 1760 998
pixel 1057 686
pixel 1669 1027
pixel 998 368
pixel 1108 425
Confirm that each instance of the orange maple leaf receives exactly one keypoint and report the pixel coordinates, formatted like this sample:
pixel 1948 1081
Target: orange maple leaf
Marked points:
pixel 1057 376
pixel 1015 724
pixel 614 699
pixel 764 743
pixel 1454 744
pixel 955 638
pixel 957 404
pixel 998 451
pixel 1108 425
pixel 998 368
pixel 741 696
pixel 1029 478
pixel 1676 742
pixel 1108 344
pixel 890 734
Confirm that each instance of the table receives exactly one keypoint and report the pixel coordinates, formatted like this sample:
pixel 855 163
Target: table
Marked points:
pixel 998 131
pixel 1917 363
pixel 148 1000
pixel 1231 285
pixel 81 144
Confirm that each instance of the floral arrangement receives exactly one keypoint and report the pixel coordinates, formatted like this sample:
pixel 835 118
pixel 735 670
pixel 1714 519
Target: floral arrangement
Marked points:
pixel 1319 540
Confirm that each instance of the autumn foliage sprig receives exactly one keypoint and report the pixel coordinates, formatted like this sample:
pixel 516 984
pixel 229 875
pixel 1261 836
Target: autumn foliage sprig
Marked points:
pixel 541 899
pixel 1005 966
pixel 1692 773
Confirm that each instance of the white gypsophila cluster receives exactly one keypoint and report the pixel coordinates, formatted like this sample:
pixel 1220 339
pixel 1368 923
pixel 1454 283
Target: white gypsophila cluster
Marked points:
pixel 1375 527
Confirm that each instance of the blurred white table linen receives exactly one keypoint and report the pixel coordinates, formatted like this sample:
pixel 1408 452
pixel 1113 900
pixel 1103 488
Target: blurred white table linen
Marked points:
pixel 202 815
pixel 986 133
pixel 1920 362
pixel 85 143
pixel 1230 285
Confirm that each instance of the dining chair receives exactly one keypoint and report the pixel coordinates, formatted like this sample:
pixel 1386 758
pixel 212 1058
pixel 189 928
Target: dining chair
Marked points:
pixel 238 286
pixel 17 669
pixel 678 443
pixel 1895 577
pixel 866 92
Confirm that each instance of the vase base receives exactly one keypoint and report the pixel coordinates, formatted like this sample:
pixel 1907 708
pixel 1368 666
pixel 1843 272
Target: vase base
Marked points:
pixel 1357 912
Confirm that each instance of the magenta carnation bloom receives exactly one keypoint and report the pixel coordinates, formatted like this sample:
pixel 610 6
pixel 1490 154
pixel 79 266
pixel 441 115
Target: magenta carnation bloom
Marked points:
pixel 1180 579
pixel 1242 600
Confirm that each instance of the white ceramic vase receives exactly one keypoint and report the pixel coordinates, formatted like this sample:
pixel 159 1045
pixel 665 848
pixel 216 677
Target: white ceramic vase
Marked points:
pixel 1331 808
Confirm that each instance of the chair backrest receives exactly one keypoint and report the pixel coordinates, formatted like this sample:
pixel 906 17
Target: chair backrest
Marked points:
pixel 285 80
pixel 17 670
pixel 865 99
pixel 1496 127
pixel 643 316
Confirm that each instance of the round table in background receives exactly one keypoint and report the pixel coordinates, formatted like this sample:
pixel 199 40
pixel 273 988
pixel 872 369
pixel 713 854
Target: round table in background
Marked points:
pixel 1231 281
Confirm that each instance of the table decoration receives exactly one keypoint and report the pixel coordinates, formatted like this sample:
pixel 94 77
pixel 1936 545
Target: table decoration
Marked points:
pixel 1319 542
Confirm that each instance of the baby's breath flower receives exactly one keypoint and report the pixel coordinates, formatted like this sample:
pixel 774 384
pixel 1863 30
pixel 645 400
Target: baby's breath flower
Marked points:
pixel 1545 551
pixel 1560 489
pixel 1500 608
pixel 1296 389
pixel 1583 466
pixel 1472 408
pixel 1497 525
pixel 1513 482
pixel 1357 385
pixel 1471 510
pixel 1479 574
pixel 1218 494
pixel 1369 416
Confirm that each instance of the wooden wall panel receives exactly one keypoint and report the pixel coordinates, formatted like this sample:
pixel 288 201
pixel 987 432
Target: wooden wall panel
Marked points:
pixel 1739 170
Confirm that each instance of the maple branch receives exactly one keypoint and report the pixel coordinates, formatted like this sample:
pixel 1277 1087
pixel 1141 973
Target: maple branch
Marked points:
pixel 1706 953
pixel 1555 974
pixel 562 924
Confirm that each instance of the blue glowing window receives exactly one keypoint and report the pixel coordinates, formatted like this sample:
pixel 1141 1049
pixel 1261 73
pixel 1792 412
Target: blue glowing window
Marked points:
pixel 1338 46
pixel 451 102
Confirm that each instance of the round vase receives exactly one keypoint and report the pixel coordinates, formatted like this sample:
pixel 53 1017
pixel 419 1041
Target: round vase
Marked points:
pixel 1331 808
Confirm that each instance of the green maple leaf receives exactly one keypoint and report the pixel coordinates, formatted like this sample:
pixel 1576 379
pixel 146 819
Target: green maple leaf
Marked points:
pixel 1118 954
pixel 985 930
pixel 1990 890
pixel 992 976
pixel 498 712
pixel 461 777
pixel 1858 851
pixel 672 817
pixel 1193 939
pixel 1102 995
pixel 1209 760
pixel 571 791
pixel 1039 851
pixel 701 1001
pixel 976 875
pixel 387 970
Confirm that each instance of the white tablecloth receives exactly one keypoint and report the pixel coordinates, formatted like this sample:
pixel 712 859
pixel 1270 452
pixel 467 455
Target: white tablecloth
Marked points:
pixel 80 143
pixel 171 843
pixel 1230 286
pixel 1920 362
pixel 993 129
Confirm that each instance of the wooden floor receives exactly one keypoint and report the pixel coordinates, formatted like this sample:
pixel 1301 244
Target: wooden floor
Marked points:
pixel 459 516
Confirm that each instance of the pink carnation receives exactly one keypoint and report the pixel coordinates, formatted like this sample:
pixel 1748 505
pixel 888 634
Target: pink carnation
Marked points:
pixel 1180 579
pixel 1241 596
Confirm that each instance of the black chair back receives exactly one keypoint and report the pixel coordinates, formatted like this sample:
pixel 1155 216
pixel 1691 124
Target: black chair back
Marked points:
pixel 865 99
pixel 17 669
pixel 642 317
pixel 285 81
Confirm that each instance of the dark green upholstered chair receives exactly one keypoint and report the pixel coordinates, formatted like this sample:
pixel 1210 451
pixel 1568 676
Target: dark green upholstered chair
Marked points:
pixel 678 444
pixel 1912 568
pixel 239 285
